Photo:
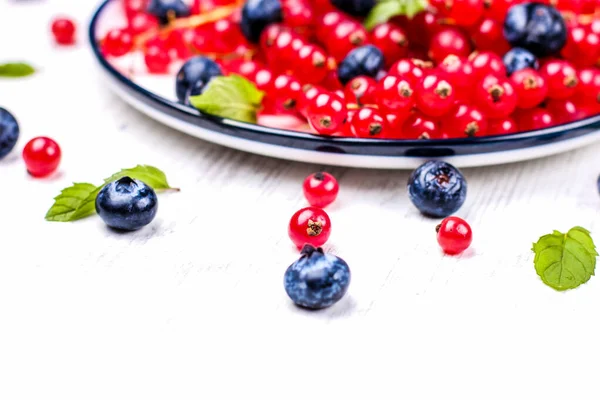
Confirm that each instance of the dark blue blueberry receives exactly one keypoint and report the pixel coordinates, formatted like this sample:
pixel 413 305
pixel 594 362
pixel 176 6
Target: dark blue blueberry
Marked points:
pixel 165 10
pixel 257 14
pixel 127 204
pixel 193 77
pixel 437 189
pixel 316 280
pixel 536 27
pixel 517 59
pixel 359 8
pixel 365 60
pixel 9 132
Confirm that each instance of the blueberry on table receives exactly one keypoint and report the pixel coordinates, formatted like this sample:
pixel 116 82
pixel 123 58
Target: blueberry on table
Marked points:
pixel 365 60
pixel 127 204
pixel 536 27
pixel 257 14
pixel 9 132
pixel 437 189
pixel 359 8
pixel 166 10
pixel 194 75
pixel 518 58
pixel 317 280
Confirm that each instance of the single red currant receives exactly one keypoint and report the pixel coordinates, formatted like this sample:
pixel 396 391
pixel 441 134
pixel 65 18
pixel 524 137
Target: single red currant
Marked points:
pixel 412 69
pixel 587 93
pixel 369 122
pixel 264 79
pixel 488 35
pixel 435 94
pixel 464 121
pixel 563 111
pixel 320 189
pixel 502 126
pixel 133 7
pixel 533 119
pixel 327 22
pixel 326 113
pixel 309 93
pixel 311 64
pixel 530 86
pixel 582 47
pixel 310 225
pixel 454 235
pixel 361 90
pixel 41 156
pixel 459 72
pixel 391 40
pixel 561 78
pixel 346 36
pixel 420 126
pixel 462 12
pixel 449 41
pixel 396 95
pixel 495 96
pixel 157 59
pixel 286 90
pixel 117 43
pixel 332 80
pixel 63 30
pixel 394 124
pixel 298 13
pixel 347 129
pixel 486 63
pixel 142 22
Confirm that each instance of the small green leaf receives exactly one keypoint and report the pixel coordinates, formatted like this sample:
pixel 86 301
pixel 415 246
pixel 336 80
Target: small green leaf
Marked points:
pixel 231 97
pixel 71 204
pixel 151 176
pixel 15 70
pixel 565 261
pixel 384 10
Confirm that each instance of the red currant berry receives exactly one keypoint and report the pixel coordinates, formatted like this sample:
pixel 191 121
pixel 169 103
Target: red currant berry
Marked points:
pixel 117 43
pixel 369 122
pixel 561 78
pixel 533 119
pixel 63 30
pixel 157 59
pixel 496 97
pixel 311 64
pixel 421 28
pixel 435 94
pixel 287 90
pixel 587 93
pixel 41 156
pixel 395 95
pixel 464 121
pixel 530 86
pixel 309 93
pixel 298 13
pixel 394 124
pixel 497 9
pixel 310 225
pixel 488 35
pixel 502 126
pixel 346 36
pixel 133 7
pixel 449 41
pixel 459 72
pixel 320 189
pixel 327 22
pixel 226 35
pixel 269 35
pixel 454 235
pixel 245 68
pixel 582 48
pixel 347 129
pixel 485 63
pixel 283 53
pixel 264 79
pixel 326 113
pixel 391 40
pixel 361 90
pixel 142 22
pixel 332 80
pixel 420 126
pixel 413 70
pixel 462 12
pixel 563 111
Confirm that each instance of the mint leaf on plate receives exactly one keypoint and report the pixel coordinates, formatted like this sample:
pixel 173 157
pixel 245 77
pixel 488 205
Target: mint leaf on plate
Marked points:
pixel 565 261
pixel 384 10
pixel 231 97
pixel 16 70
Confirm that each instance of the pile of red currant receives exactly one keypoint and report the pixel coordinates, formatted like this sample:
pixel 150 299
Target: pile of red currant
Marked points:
pixel 448 72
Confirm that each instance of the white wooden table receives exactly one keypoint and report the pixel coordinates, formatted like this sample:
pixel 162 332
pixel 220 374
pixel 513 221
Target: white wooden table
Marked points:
pixel 193 306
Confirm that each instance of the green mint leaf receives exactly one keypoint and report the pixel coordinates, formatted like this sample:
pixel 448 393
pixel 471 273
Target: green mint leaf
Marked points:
pixel 413 7
pixel 15 70
pixel 565 261
pixel 384 10
pixel 151 176
pixel 71 204
pixel 231 97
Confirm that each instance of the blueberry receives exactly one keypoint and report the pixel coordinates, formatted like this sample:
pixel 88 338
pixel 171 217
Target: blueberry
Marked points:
pixel 127 204
pixel 9 132
pixel 359 8
pixel 193 77
pixel 257 14
pixel 517 59
pixel 437 189
pixel 164 10
pixel 317 280
pixel 536 27
pixel 365 60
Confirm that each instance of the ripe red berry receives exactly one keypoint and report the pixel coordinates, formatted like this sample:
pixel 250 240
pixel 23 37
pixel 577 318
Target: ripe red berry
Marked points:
pixel 464 121
pixel 496 97
pixel 320 189
pixel 497 9
pixel 502 126
pixel 412 69
pixel 63 30
pixel 563 111
pixel 421 126
pixel 462 12
pixel 327 22
pixel 264 79
pixel 141 22
pixel 286 90
pixel 310 225
pixel 347 35
pixel 486 63
pixel 395 95
pixel 309 92
pixel 361 90
pixel 454 235
pixel 117 43
pixel 41 156
pixel 459 72
pixel 311 64
pixel 488 35
pixel 394 125
pixel 582 47
pixel 391 40
pixel 449 41
pixel 298 13
pixel 561 78
pixel 533 119
pixel 587 93
pixel 369 122
pixel 530 86
pixel 326 113
pixel 133 7
pixel 435 94
pixel 157 59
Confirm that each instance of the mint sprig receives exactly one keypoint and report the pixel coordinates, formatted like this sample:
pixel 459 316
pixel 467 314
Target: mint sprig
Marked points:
pixel 384 10
pixel 565 261
pixel 232 97
pixel 79 200
pixel 15 70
